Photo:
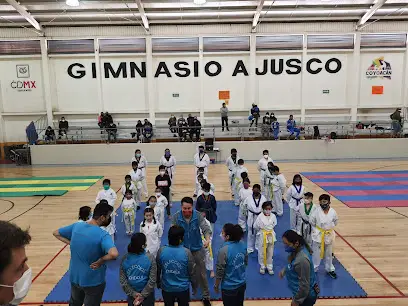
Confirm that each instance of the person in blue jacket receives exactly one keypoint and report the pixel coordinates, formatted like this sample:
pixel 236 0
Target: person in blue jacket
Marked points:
pixel 291 127
pixel 192 221
pixel 275 128
pixel 175 270
pixel 231 265
pixel 299 271
pixel 207 203
pixel 138 273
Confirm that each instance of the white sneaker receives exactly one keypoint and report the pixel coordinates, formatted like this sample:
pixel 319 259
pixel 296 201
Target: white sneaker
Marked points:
pixel 270 271
pixel 250 251
pixel 262 271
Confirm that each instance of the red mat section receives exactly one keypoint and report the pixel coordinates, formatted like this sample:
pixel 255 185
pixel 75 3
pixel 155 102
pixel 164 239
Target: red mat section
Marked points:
pixel 376 204
pixel 362 176
pixel 366 192
pixel 385 183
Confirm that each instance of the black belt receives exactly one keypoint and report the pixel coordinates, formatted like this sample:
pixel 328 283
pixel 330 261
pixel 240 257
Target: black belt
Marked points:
pixel 253 221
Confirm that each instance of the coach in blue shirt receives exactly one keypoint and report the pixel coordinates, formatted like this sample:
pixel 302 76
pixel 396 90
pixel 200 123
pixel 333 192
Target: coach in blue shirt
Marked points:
pixel 91 247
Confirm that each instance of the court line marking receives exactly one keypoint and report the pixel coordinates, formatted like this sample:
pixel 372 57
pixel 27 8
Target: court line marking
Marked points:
pixel 49 263
pixel 401 214
pixel 369 236
pixel 38 203
pixel 10 208
pixel 371 265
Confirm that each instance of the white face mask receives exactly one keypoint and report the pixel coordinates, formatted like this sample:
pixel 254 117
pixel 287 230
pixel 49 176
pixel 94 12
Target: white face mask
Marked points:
pixel 307 201
pixel 266 156
pixel 267 212
pixel 158 194
pixel 206 193
pixel 21 287
pixel 162 172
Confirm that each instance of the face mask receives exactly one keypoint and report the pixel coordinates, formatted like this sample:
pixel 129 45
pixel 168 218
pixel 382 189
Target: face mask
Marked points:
pixel 297 183
pixel 234 155
pixel 222 237
pixel 324 206
pixel 167 154
pixel 90 216
pixel 162 173
pixel 201 151
pixel 21 287
pixel 289 249
pixel 106 187
pixel 266 156
pixel 63 120
pixel 308 201
pixel 135 169
pixel 246 186
pixel 255 194
pixel 108 221
pixel 206 193
pixel 138 155
pixel 158 194
pixel 267 212
pixel 152 203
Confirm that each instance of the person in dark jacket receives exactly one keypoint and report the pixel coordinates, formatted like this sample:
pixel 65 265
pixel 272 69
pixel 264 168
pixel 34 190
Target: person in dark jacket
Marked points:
pixel 196 130
pixel 62 127
pixel 112 130
pixel 138 272
pixel 231 266
pixel 396 121
pixel 173 125
pixel 139 130
pixel 163 181
pixel 255 112
pixel 49 134
pixel 300 271
pixel 192 221
pixel 207 202
pixel 176 269
pixel 266 125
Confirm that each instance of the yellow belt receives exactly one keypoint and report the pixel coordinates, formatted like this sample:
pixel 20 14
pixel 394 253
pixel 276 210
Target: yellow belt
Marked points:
pixel 128 210
pixel 209 247
pixel 324 233
pixel 265 236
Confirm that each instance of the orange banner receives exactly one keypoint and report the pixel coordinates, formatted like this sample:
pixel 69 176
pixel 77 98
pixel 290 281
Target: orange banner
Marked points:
pixel 377 90
pixel 224 95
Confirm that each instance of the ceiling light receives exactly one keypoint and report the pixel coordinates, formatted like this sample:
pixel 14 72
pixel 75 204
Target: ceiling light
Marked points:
pixel 200 2
pixel 72 2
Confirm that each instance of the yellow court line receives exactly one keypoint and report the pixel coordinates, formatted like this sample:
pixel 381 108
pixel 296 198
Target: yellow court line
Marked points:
pixel 78 188
pixel 46 182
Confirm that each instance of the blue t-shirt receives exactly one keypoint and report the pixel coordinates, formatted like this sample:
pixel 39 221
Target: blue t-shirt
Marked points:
pixel 88 244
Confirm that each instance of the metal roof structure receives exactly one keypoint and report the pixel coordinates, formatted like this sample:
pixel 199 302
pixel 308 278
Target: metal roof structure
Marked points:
pixel 51 13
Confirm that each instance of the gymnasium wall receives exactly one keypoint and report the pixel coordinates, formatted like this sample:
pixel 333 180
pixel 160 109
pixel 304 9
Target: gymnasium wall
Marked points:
pixel 316 76
pixel 250 151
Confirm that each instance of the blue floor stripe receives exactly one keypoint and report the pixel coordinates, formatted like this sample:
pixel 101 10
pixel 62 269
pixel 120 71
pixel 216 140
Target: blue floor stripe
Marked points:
pixel 380 197
pixel 396 187
pixel 258 286
pixel 360 179
pixel 354 172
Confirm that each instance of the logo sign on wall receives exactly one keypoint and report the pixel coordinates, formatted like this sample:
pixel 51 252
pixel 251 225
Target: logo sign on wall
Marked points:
pixel 379 69
pixel 23 72
pixel 184 69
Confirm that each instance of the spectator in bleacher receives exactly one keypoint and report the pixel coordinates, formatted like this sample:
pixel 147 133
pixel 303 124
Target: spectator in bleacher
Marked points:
pixel 112 131
pixel 139 130
pixel 148 132
pixel 49 134
pixel 224 116
pixel 190 120
pixel 101 121
pixel 107 119
pixel 173 125
pixel 255 114
pixel 63 127
pixel 182 128
pixel 396 121
pixel 196 129
pixel 291 127
pixel 266 125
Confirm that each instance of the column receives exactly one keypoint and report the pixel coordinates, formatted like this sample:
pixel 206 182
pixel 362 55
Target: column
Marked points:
pixel 355 78
pixel 253 92
pixel 46 80
pixel 98 75
pixel 302 97
pixel 150 80
pixel 201 76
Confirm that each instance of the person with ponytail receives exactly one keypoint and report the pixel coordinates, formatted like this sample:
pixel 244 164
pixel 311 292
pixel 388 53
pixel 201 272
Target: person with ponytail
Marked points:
pixel 138 273
pixel 300 271
pixel 231 266
pixel 153 231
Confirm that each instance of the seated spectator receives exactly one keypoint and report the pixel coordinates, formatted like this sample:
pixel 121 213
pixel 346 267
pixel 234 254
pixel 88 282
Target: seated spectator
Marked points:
pixel 255 114
pixel 112 130
pixel 291 127
pixel 266 125
pixel 49 134
pixel 63 127
pixel 101 121
pixel 396 121
pixel 139 130
pixel 190 120
pixel 182 128
pixel 195 129
pixel 173 125
pixel 148 132
pixel 107 119
pixel 147 123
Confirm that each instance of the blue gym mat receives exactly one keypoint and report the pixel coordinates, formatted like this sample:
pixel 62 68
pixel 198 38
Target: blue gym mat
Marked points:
pixel 258 286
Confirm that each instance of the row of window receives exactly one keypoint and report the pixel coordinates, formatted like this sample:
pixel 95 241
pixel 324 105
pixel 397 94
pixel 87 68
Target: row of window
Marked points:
pixel 210 44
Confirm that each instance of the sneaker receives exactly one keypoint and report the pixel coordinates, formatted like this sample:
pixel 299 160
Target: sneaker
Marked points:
pixel 270 271
pixel 236 204
pixel 206 302
pixel 250 251
pixel 262 271
pixel 332 274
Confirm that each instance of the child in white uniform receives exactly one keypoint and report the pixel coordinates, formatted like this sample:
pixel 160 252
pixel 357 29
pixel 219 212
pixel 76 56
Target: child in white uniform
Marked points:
pixel 269 175
pixel 128 185
pixel 279 186
pixel 306 211
pixel 169 161
pixel 294 197
pixel 254 207
pixel 109 195
pixel 201 160
pixel 232 164
pixel 323 221
pixel 85 214
pixel 202 182
pixel 244 193
pixel 238 180
pixel 263 165
pixel 129 208
pixel 160 206
pixel 265 237
pixel 200 176
pixel 142 164
pixel 152 230
pixel 136 175
pixel 209 256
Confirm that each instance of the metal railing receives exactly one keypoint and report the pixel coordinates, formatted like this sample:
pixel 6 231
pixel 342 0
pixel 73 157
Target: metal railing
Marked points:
pixel 238 132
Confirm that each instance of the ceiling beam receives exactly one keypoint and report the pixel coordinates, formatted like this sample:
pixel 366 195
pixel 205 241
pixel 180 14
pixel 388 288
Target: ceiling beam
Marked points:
pixel 25 14
pixel 373 9
pixel 143 15
pixel 257 15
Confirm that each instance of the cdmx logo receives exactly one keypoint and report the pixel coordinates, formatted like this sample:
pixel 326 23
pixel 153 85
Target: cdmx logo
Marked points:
pixel 379 69
pixel 23 72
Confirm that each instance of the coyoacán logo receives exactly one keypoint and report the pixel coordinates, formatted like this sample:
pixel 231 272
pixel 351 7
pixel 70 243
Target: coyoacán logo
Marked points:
pixel 379 69
pixel 23 72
